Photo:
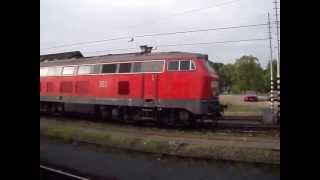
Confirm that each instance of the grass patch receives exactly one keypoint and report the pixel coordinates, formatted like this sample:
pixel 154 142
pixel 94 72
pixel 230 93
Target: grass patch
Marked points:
pixel 75 131
pixel 253 155
pixel 156 146
pixel 244 108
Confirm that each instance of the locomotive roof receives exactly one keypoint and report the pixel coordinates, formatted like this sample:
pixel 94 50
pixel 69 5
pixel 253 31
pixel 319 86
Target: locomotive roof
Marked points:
pixel 122 58
pixel 61 56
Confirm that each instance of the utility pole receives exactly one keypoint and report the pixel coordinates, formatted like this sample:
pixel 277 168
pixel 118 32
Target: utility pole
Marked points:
pixel 271 67
pixel 278 41
pixel 278 60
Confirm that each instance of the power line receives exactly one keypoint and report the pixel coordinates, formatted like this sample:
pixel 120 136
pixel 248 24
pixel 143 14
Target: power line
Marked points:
pixel 152 35
pixel 201 30
pixel 187 12
pixel 188 44
pixel 112 50
pixel 221 42
pixel 119 38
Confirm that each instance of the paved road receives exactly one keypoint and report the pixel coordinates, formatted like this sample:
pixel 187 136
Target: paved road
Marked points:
pixel 114 165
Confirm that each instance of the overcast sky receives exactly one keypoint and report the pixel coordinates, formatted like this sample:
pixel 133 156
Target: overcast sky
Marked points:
pixel 72 21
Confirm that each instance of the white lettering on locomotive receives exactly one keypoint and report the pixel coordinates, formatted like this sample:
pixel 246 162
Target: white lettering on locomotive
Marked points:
pixel 103 84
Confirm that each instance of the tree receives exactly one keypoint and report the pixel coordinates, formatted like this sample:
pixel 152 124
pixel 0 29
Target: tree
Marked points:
pixel 225 75
pixel 267 74
pixel 245 74
pixel 248 75
pixel 216 66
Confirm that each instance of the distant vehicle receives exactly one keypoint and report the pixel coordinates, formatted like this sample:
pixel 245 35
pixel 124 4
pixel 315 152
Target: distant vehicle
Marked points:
pixel 250 96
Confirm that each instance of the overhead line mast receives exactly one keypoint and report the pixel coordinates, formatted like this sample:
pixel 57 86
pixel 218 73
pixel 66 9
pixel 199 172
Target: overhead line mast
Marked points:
pixel 278 60
pixel 271 66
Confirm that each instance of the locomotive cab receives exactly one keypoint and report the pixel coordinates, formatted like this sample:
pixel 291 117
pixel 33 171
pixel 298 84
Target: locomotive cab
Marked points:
pixel 212 107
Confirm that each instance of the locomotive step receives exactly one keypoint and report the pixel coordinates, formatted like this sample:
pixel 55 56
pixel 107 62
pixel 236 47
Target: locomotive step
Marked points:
pixel 205 120
pixel 147 110
pixel 147 118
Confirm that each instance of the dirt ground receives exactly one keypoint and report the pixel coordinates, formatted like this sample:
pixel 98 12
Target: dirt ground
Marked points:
pixel 237 106
pixel 238 100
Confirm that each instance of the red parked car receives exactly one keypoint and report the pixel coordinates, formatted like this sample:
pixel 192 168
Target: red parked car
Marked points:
pixel 250 97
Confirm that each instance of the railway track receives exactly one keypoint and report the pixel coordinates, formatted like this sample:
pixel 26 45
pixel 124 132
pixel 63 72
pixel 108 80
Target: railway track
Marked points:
pixel 223 126
pixel 245 118
pixel 245 124
pixel 238 125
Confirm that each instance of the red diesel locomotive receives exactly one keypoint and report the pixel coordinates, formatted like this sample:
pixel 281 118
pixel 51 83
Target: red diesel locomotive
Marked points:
pixel 166 87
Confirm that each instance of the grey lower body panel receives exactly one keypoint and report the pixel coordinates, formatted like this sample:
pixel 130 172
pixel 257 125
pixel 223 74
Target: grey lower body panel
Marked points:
pixel 194 106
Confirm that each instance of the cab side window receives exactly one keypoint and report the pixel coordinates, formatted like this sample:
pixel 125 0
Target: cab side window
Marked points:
pixel 181 65
pixel 125 68
pixel 173 66
pixel 184 65
pixel 87 69
pixel 68 70
pixel 109 68
pixel 43 72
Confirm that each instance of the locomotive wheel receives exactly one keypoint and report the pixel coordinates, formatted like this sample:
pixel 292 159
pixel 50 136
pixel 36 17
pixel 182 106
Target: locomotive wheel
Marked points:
pixel 115 114
pixel 51 109
pixel 172 119
pixel 163 122
pixel 97 112
pixel 60 108
pixel 102 113
pixel 192 123
pixel 125 116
